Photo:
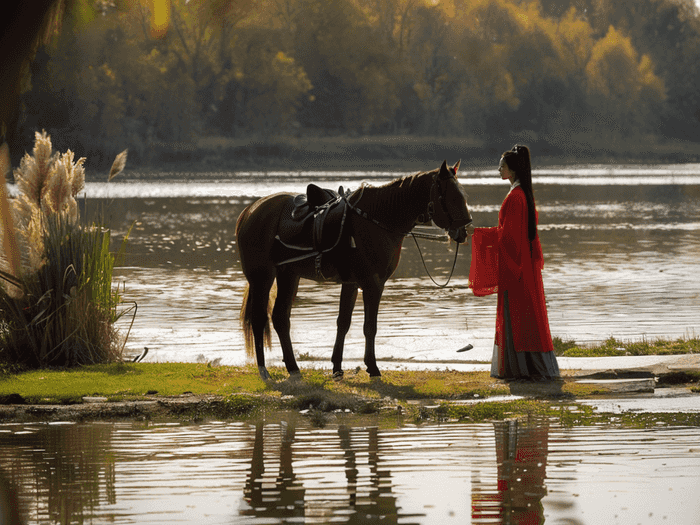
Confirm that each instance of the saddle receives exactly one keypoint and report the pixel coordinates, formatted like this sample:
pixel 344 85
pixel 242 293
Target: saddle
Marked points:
pixel 314 222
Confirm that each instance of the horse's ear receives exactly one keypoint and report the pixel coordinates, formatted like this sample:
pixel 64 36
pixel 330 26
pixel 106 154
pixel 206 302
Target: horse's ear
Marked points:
pixel 443 170
pixel 456 166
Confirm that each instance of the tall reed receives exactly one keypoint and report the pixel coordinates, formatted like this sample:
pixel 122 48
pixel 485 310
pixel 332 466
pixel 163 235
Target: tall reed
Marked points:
pixel 59 308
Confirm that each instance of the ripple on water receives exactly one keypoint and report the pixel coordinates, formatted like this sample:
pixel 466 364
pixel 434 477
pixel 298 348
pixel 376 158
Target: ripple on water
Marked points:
pixel 281 470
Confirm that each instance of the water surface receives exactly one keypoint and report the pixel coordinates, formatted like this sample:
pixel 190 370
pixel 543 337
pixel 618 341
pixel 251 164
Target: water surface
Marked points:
pixel 620 244
pixel 283 471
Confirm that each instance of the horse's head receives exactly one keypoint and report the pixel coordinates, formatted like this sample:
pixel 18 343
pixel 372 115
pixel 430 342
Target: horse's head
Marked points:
pixel 448 203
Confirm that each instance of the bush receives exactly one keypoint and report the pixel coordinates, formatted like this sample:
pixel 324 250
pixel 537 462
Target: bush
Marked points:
pixel 57 305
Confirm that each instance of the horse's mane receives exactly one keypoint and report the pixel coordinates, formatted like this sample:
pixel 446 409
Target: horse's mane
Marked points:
pixel 376 198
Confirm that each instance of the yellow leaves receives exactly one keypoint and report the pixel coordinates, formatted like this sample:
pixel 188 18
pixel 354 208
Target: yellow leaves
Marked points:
pixel 281 57
pixel 422 90
pixel 504 91
pixel 649 79
pixel 108 73
pixel 615 72
pixel 160 17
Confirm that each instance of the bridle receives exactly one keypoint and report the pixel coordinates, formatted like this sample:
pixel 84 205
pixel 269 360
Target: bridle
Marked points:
pixel 440 211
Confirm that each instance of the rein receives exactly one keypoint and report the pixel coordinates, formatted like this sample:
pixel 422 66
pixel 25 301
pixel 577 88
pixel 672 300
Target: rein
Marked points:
pixel 454 264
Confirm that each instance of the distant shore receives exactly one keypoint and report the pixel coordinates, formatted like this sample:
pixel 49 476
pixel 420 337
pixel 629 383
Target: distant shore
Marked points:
pixel 394 153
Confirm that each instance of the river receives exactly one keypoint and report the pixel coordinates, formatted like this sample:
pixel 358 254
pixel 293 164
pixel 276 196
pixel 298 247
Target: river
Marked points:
pixel 621 245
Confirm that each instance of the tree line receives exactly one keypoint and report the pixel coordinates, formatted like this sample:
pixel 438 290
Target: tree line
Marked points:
pixel 560 71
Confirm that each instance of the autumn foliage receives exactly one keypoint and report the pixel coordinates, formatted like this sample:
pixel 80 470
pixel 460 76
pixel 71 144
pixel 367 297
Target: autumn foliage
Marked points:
pixel 548 70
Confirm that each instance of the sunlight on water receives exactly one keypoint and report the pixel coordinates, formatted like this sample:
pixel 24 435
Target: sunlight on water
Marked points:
pixel 621 245
pixel 248 184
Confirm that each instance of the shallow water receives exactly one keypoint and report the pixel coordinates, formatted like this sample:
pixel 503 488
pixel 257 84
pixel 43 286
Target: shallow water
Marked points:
pixel 283 471
pixel 621 246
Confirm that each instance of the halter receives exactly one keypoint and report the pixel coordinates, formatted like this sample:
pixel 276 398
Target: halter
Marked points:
pixel 441 211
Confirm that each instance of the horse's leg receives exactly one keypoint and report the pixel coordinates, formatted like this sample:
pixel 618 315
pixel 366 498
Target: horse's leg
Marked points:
pixel 259 294
pixel 287 285
pixel 348 296
pixel 371 296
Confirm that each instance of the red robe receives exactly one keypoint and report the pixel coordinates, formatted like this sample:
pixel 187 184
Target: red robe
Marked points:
pixel 519 264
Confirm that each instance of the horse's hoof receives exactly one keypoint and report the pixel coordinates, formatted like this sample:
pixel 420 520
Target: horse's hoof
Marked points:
pixel 374 374
pixel 338 376
pixel 295 376
pixel 264 374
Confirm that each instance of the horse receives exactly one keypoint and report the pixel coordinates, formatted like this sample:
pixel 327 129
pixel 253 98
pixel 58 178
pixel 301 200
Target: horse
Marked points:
pixel 363 252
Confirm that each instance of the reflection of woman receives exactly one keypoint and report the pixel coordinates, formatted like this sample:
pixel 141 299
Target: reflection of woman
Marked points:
pixel 521 455
pixel 523 346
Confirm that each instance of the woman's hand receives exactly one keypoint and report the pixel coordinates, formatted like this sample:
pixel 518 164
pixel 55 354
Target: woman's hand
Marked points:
pixel 461 235
pixel 469 231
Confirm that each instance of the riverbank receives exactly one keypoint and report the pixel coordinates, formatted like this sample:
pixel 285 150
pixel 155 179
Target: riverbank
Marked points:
pixel 395 153
pixel 197 392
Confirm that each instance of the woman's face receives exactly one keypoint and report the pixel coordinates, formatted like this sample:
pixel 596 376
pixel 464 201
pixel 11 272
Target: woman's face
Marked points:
pixel 504 171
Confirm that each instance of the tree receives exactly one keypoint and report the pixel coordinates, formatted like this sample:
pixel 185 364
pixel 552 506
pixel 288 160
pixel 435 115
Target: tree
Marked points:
pixel 623 85
pixel 265 87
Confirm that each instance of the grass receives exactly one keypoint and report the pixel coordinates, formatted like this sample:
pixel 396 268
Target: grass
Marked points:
pixel 316 389
pixel 136 380
pixel 118 381
pixel 613 347
pixel 238 392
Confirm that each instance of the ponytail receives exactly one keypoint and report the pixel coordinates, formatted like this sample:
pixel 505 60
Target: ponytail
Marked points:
pixel 518 160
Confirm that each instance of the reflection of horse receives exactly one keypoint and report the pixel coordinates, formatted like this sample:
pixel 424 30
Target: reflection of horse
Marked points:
pixel 372 501
pixel 285 497
pixel 274 492
pixel 363 251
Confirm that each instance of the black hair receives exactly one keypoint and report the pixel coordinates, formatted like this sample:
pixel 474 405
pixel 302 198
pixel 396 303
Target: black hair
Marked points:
pixel 518 161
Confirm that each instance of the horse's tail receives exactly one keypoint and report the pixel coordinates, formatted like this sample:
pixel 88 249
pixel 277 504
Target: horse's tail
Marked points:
pixel 247 322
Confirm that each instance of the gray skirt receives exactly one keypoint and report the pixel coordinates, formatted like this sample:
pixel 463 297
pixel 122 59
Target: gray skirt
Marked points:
pixel 534 366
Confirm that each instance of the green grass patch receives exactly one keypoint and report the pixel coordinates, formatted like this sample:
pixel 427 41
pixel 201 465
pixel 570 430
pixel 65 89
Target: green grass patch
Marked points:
pixel 244 394
pixel 613 347
pixel 477 412
pixel 425 384
pixel 130 380
pixel 315 389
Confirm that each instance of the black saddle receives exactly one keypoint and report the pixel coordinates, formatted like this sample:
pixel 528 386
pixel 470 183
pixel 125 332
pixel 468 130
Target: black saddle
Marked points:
pixel 315 196
pixel 314 222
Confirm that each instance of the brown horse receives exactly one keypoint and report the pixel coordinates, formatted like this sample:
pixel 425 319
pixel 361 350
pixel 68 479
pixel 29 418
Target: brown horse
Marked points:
pixel 364 255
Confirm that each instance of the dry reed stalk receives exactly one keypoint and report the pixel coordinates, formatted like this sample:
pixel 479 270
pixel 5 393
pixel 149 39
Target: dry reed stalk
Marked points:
pixel 9 236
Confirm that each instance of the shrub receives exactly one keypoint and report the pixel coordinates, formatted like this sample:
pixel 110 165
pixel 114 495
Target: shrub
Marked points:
pixel 57 305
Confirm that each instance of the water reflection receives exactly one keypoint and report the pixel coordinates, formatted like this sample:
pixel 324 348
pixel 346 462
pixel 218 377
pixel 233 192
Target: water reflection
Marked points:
pixel 274 491
pixel 283 471
pixel 279 495
pixel 10 507
pixel 521 455
pixel 65 471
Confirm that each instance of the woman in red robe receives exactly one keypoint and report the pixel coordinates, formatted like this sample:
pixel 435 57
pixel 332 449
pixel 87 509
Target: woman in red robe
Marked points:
pixel 511 255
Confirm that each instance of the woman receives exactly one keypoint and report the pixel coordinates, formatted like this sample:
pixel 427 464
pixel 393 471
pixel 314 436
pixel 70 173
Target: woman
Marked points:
pixel 523 346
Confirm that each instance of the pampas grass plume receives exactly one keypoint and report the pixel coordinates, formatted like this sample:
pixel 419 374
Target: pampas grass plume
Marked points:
pixel 118 165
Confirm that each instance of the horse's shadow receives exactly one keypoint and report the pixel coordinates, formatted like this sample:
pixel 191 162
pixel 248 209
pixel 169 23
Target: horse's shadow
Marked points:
pixel 358 395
